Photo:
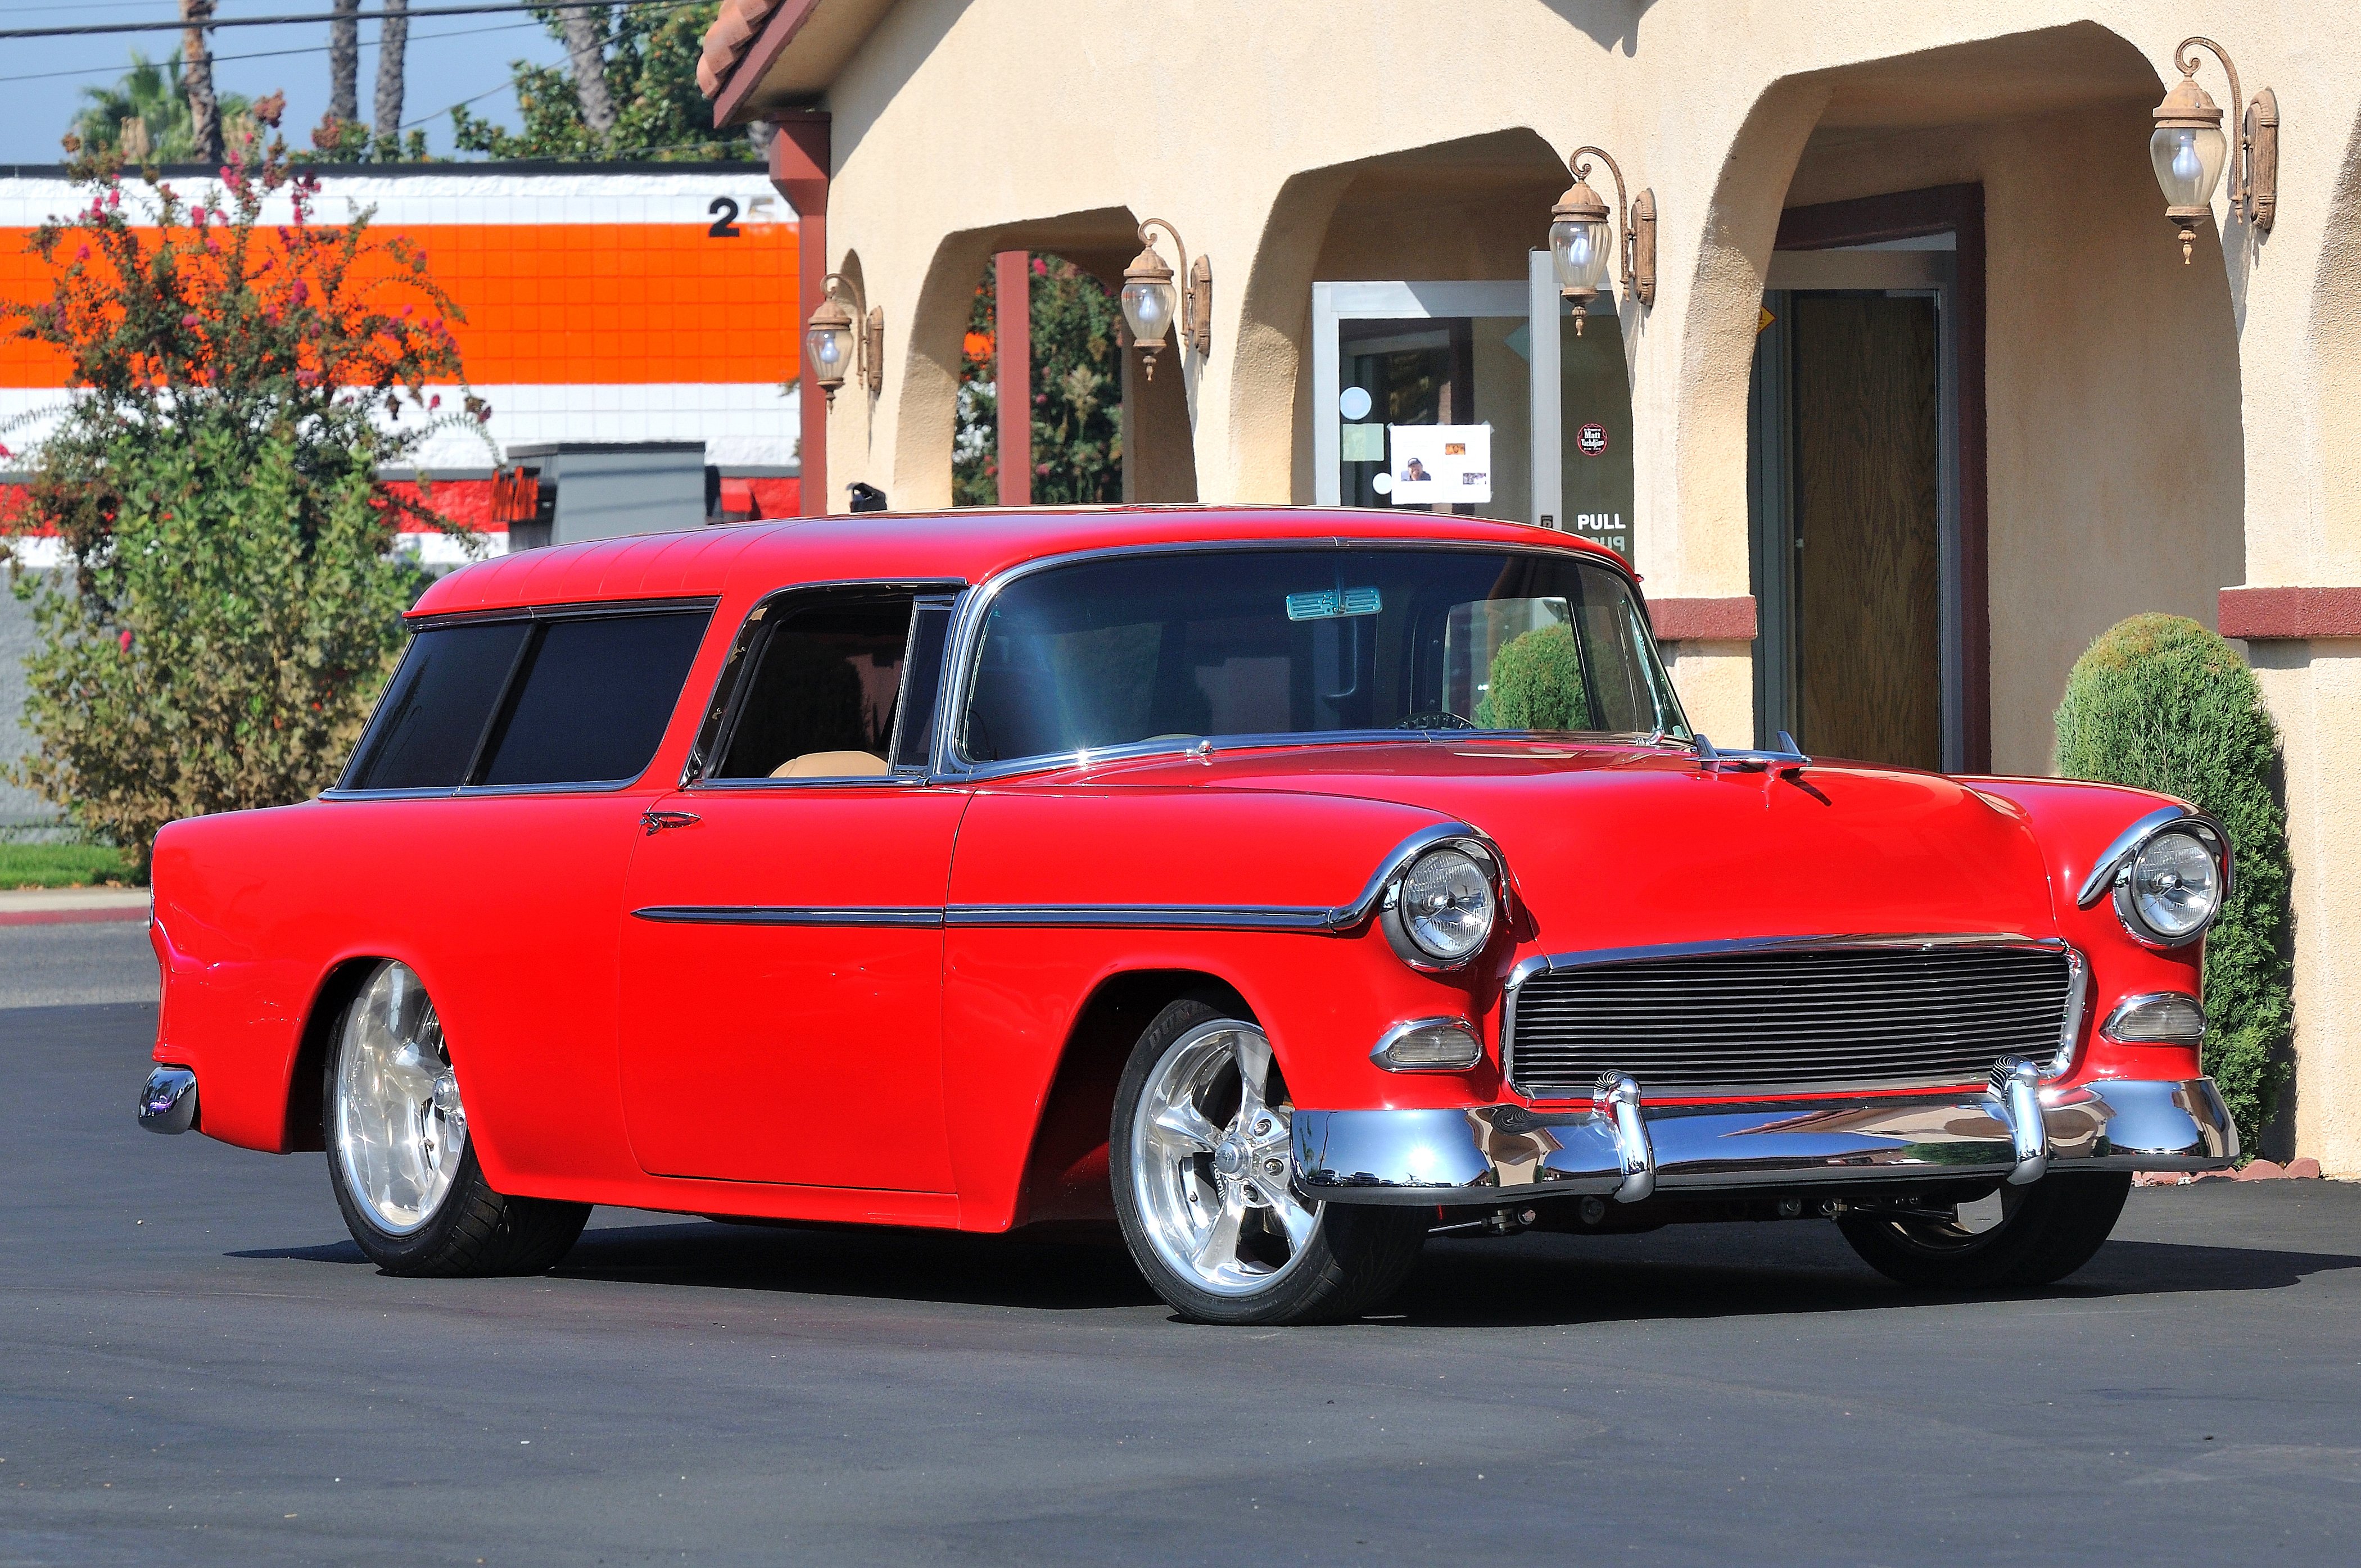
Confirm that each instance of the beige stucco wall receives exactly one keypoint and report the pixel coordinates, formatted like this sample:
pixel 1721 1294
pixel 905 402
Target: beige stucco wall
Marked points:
pixel 2156 431
pixel 2114 448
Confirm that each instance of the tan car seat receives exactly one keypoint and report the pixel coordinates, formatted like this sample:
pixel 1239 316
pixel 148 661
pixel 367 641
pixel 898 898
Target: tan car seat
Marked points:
pixel 833 766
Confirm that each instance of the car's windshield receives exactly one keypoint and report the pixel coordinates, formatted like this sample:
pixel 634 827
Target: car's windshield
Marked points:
pixel 1317 641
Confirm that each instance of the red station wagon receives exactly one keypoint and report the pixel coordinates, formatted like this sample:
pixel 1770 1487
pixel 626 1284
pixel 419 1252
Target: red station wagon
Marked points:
pixel 1287 884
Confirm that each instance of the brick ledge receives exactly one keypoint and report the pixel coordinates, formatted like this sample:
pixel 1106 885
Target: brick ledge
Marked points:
pixel 2260 615
pixel 1703 621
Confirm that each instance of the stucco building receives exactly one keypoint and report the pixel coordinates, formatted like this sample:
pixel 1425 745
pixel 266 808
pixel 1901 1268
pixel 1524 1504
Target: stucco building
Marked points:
pixel 1922 393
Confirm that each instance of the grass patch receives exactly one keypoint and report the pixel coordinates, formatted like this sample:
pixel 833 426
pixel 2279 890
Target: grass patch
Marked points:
pixel 60 865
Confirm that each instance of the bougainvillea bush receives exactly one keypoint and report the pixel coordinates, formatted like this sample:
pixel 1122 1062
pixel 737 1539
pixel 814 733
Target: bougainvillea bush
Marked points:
pixel 231 594
pixel 2160 703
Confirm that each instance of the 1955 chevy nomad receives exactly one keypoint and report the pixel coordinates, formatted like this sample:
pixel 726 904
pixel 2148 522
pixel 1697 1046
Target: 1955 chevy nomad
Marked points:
pixel 1292 884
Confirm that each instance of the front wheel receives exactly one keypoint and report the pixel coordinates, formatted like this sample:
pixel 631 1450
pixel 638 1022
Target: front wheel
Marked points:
pixel 2040 1234
pixel 409 1187
pixel 1199 1150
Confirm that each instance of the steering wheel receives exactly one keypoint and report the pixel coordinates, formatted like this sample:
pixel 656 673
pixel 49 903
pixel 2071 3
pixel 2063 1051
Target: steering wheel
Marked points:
pixel 1442 721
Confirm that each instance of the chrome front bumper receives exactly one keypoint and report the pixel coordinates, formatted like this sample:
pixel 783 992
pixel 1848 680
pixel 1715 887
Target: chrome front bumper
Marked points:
pixel 1622 1148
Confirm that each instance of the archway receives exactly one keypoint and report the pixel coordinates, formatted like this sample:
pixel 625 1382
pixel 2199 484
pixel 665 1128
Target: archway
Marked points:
pixel 2106 474
pixel 1158 461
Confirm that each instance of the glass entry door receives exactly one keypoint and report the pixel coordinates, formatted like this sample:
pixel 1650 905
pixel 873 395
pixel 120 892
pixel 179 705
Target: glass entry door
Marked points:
pixel 1477 398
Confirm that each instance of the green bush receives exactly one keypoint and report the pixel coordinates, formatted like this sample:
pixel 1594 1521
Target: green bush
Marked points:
pixel 2160 703
pixel 232 597
pixel 1536 684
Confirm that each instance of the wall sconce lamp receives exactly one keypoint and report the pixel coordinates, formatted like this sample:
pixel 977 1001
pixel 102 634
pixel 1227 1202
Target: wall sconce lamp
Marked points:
pixel 2187 149
pixel 1579 238
pixel 831 342
pixel 1147 298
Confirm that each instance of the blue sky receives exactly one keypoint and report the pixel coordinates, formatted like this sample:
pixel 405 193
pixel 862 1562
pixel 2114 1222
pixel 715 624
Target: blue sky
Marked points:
pixel 450 60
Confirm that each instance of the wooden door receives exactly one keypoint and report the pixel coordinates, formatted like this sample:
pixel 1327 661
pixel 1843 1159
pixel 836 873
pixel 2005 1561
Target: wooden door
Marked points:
pixel 1868 484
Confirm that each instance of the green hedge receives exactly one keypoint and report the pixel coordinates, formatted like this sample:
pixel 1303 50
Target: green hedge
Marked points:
pixel 2160 703
pixel 1536 684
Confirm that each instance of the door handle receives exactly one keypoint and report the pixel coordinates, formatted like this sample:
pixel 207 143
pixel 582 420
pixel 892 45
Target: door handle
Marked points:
pixel 657 821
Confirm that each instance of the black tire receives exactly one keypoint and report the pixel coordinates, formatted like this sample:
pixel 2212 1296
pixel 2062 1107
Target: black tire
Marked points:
pixel 1356 1257
pixel 473 1232
pixel 2046 1231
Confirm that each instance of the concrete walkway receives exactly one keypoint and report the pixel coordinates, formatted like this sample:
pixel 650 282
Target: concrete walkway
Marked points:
pixel 66 905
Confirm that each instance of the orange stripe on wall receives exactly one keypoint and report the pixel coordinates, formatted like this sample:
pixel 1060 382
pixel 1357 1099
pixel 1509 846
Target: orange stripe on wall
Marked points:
pixel 575 304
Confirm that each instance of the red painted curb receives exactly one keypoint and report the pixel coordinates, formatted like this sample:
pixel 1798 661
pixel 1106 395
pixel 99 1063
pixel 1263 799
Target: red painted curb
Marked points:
pixel 70 917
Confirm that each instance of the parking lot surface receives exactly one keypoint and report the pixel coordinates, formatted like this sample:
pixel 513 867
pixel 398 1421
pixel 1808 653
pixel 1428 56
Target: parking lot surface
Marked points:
pixel 197 1366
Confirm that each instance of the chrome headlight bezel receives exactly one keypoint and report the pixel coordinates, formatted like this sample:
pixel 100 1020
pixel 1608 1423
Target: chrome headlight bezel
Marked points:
pixel 2119 872
pixel 1403 931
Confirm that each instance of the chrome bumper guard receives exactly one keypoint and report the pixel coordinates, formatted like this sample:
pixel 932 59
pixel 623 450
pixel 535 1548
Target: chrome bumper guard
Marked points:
pixel 167 1102
pixel 2017 1129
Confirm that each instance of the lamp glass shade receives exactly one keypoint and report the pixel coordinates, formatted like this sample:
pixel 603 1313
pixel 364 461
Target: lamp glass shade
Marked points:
pixel 1147 308
pixel 2188 161
pixel 831 349
pixel 1580 251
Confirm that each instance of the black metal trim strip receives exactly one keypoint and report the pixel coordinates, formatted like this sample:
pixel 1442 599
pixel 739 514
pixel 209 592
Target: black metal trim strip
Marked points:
pixel 764 915
pixel 1103 917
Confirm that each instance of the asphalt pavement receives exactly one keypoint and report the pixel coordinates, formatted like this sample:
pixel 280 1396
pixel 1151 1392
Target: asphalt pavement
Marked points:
pixel 197 1366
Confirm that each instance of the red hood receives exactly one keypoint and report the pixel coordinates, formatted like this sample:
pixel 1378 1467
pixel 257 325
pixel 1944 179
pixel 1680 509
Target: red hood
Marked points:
pixel 1622 847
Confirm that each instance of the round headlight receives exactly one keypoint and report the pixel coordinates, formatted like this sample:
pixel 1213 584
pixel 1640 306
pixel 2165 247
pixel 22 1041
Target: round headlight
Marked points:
pixel 1446 904
pixel 2173 887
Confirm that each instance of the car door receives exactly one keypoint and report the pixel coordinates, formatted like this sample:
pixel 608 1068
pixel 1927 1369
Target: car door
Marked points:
pixel 782 946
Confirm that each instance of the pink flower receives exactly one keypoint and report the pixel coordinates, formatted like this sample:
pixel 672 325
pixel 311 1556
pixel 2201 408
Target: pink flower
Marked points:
pixel 189 320
pixel 432 404
pixel 126 641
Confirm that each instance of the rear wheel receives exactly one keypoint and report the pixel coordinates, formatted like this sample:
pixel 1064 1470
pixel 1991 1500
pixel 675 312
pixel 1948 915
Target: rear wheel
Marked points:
pixel 2032 1235
pixel 1200 1164
pixel 408 1182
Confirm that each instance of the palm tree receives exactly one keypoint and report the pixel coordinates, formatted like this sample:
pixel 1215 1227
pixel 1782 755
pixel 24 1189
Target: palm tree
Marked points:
pixel 144 116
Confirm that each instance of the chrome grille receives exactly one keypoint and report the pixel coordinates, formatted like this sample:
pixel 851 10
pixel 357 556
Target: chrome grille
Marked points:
pixel 1789 1018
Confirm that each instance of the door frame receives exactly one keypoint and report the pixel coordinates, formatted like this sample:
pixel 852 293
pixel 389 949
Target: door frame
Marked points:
pixel 1958 211
pixel 1535 299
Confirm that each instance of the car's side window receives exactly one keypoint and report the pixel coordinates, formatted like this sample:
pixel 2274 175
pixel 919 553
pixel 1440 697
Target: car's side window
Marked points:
pixel 819 695
pixel 432 716
pixel 591 699
pixel 547 699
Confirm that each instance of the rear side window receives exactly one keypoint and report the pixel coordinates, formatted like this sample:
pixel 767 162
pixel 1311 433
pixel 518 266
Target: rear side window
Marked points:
pixel 593 699
pixel 434 713
pixel 547 701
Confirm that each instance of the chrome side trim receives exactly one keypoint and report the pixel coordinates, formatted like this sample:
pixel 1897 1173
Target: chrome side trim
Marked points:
pixel 2116 857
pixel 168 1101
pixel 1490 1153
pixel 769 915
pixel 1145 916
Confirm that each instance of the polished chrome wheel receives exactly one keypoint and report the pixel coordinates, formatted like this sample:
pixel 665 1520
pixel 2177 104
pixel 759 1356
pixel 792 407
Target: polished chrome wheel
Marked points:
pixel 1209 1162
pixel 399 1130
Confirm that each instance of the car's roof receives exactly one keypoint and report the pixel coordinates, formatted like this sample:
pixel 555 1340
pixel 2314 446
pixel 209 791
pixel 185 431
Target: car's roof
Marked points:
pixel 967 545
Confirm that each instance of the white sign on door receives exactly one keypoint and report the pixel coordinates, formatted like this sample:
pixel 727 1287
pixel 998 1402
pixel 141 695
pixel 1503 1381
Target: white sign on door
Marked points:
pixel 1450 463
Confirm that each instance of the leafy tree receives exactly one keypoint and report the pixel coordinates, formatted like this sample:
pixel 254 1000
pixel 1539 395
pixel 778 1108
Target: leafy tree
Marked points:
pixel 232 595
pixel 2160 703
pixel 1077 394
pixel 152 98
pixel 648 85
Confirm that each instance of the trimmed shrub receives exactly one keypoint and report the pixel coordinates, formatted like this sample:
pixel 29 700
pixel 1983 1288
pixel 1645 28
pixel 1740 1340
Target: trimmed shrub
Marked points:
pixel 1536 684
pixel 2160 703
